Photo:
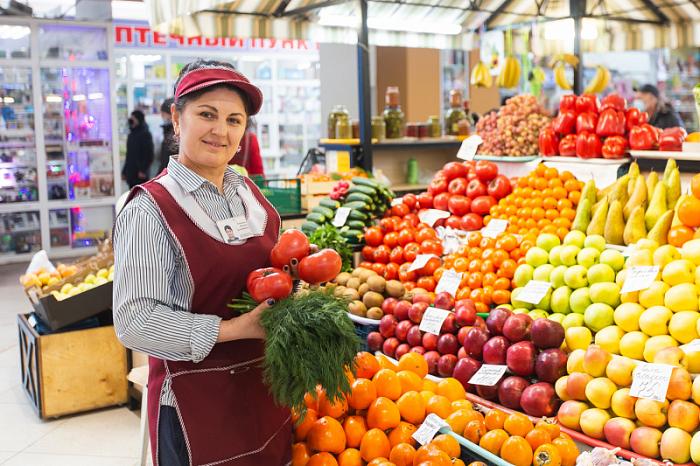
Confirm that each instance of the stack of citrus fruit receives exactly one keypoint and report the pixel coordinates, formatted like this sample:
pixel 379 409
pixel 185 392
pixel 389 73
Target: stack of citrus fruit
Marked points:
pixel 687 216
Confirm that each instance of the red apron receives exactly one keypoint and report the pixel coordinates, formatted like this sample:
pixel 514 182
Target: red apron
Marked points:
pixel 226 412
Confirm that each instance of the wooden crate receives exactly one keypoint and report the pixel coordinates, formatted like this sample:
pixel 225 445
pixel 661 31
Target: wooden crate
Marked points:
pixel 71 372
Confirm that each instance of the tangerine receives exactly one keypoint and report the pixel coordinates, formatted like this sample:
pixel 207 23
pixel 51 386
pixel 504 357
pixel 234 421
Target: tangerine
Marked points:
pixel 387 383
pixel 679 235
pixel 517 451
pixel 375 444
pixel 326 434
pixel 355 428
pixel 383 414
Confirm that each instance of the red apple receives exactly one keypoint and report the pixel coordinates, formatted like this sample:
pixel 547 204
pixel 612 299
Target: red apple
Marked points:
pixel 402 329
pixel 474 342
pixel 488 393
pixel 444 300
pixel 432 358
pixel 401 310
pixel 546 333
pixel 449 325
pixel 418 349
pixel 389 305
pixel 539 400
pixel 430 341
pixel 462 353
pixel 480 322
pixel 462 334
pixel 414 337
pixel 517 327
pixel 495 350
pixel 511 390
pixel 465 316
pixel 550 365
pixel 387 326
pixel 389 346
pixel 496 319
pixel 402 349
pixel 447 344
pixel 446 365
pixel 423 298
pixel 415 313
pixel 520 358
pixel 465 369
pixel 375 340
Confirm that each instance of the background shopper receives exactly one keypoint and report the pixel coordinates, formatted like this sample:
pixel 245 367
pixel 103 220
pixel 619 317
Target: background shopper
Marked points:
pixel 661 112
pixel 139 150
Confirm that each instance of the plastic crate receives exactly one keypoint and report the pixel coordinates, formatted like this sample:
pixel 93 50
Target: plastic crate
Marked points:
pixel 363 327
pixel 284 193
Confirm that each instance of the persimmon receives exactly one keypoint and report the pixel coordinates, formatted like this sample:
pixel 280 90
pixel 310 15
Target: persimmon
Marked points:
pixel 367 365
pixel 568 451
pixel 448 444
pixel 403 433
pixel 380 462
pixel 432 456
pixel 301 430
pixel 546 455
pixel 362 394
pixel 383 414
pixel 440 405
pixel 410 381
pixel 350 457
pixel 493 440
pixel 495 419
pixel 375 444
pixel 387 383
pixel 458 419
pixel 550 425
pixel 335 409
pixel 474 430
pixel 402 454
pixel 300 454
pixel 411 407
pixel 452 389
pixel 355 428
pixel 326 434
pixel 517 451
pixel 518 424
pixel 537 437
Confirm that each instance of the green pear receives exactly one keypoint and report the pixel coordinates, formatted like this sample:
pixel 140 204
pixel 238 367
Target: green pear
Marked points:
pixel 660 231
pixel 619 192
pixel 633 172
pixel 657 206
pixel 652 179
pixel 589 192
pixel 614 224
pixel 673 188
pixel 583 216
pixel 635 229
pixel 597 224
pixel 638 197
pixel 670 167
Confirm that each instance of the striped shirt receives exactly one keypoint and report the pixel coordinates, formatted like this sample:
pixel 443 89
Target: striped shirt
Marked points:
pixel 153 289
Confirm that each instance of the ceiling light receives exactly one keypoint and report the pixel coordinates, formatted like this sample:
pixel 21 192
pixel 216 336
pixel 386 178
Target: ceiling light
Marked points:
pixel 78 97
pixel 96 96
pixel 54 99
pixel 13 32
pixel 8 100
pixel 564 30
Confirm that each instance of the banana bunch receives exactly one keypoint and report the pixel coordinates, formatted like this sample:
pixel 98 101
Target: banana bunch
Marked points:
pixel 481 75
pixel 558 63
pixel 564 58
pixel 600 81
pixel 510 73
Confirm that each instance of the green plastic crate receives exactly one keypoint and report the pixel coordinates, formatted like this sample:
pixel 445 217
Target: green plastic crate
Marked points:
pixel 284 194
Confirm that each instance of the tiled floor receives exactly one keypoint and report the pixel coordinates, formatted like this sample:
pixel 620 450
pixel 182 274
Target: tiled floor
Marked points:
pixel 109 437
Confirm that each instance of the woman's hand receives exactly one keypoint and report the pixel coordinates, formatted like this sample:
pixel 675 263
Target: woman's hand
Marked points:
pixel 244 326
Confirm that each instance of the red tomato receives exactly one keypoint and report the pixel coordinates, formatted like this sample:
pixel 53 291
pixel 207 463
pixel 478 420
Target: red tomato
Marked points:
pixel 431 247
pixel 457 186
pixel 427 283
pixel 321 267
pixel 459 205
pixel 411 200
pixel 374 236
pixel 441 200
pixel 381 254
pixel 424 234
pixel 430 267
pixel 391 239
pixel 476 188
pixel 365 265
pixel 405 275
pixel 405 236
pixel 482 204
pixel 368 253
pixel 410 251
pixel 454 170
pixel 485 170
pixel 269 282
pixel 425 200
pixel 392 271
pixel 438 185
pixel 471 222
pixel 499 187
pixel 387 225
pixel 292 244
pixel 379 268
pixel 454 222
pixel 412 219
pixel 400 210
pixel 396 255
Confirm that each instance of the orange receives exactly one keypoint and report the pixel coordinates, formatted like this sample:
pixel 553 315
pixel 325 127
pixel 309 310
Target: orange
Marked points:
pixel 494 419
pixel 546 455
pixel 679 235
pixel 412 407
pixel 336 408
pixel 322 459
pixel 410 381
pixel 375 444
pixel 350 457
pixel 300 454
pixel 440 405
pixel 431 455
pixel 695 185
pixel 367 365
pixel 550 425
pixel 537 437
pixel 448 444
pixel 326 434
pixel 474 430
pixel 429 385
pixel 493 440
pixel 355 428
pixel 458 419
pixel 517 451
pixel 387 383
pixel 403 433
pixel 461 404
pixel 451 389
pixel 383 414
pixel 402 454
pixel 518 424
pixel 362 394
pixel 568 451
pixel 301 430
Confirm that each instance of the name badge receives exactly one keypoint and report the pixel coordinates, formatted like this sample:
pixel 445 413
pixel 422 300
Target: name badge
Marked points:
pixel 234 229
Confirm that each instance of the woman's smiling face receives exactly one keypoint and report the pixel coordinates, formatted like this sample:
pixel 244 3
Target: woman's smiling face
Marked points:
pixel 210 127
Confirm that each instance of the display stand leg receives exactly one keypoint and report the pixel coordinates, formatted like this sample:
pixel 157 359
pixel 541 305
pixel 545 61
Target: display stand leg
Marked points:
pixel 143 450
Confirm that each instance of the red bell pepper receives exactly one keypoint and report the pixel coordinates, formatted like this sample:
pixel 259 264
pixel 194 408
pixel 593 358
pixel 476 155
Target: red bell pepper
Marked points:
pixel 568 103
pixel 614 147
pixel 588 145
pixel 564 123
pixel 548 141
pixel 644 137
pixel 567 145
pixel 635 117
pixel 586 121
pixel 611 123
pixel 587 103
pixel 672 139
pixel 614 101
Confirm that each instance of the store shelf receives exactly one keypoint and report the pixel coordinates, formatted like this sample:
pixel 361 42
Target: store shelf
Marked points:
pixel 505 159
pixel 665 155
pixel 404 143
pixel 69 204
pixel 593 161
pixel 407 188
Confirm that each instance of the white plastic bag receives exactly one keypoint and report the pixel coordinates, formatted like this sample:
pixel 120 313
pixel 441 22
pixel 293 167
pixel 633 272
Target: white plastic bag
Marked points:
pixel 40 260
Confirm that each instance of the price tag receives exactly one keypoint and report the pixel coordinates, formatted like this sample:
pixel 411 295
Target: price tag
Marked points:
pixel 432 320
pixel 449 282
pixel 32 320
pixel 431 425
pixel 431 216
pixel 640 278
pixel 650 381
pixel 692 347
pixel 628 251
pixel 488 375
pixel 495 227
pixel 467 150
pixel 420 261
pixel 341 216
pixel 396 201
pixel 534 291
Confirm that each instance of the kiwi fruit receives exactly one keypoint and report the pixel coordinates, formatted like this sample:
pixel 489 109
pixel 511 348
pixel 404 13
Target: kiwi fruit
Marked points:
pixel 376 283
pixel 339 291
pixel 353 283
pixel 365 274
pixel 342 278
pixel 395 288
pixel 351 294
pixel 363 289
pixel 373 299
pixel 357 308
pixel 375 313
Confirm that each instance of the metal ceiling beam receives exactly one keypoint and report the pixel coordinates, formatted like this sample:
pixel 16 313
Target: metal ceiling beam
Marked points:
pixel 314 6
pixel 619 19
pixel 279 11
pixel 228 12
pixel 498 11
pixel 656 11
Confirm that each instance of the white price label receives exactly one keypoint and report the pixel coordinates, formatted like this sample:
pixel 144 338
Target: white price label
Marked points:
pixel 430 216
pixel 420 261
pixel 449 282
pixel 432 320
pixel 534 291
pixel 396 201
pixel 628 251
pixel 495 227
pixel 488 375
pixel 692 347
pixel 341 216
pixel 431 425
pixel 467 150
pixel 640 278
pixel 650 381
pixel 32 320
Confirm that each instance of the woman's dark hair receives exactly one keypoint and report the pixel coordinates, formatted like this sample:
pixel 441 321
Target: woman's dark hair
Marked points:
pixel 165 106
pixel 139 116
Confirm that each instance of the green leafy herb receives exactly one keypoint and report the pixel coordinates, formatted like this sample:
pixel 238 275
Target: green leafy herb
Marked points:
pixel 327 236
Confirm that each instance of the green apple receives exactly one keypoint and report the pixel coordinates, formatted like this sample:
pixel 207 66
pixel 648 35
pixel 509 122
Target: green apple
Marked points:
pixel 600 273
pixel 523 274
pixel 555 256
pixel 90 278
pixel 632 345
pixel 613 258
pixel 74 291
pixel 520 310
pixel 665 254
pixel 545 302
pixel 691 251
pixel 560 300
pixel 536 256
pixel 102 273
pixel 580 300
pixel 606 293
pixel 620 277
pixel 519 304
pixel 575 238
pixel 572 320
pixel 542 273
pixel 588 257
pixel 65 289
pixel 595 241
pixel 648 244
pixel 679 271
pixel 627 316
pixel 538 314
pixel 598 316
pixel 609 339
pixel 556 317
pixel 578 338
pixel 101 280
pixel 654 321
pixel 654 295
pixel 640 257
pixel 556 278
pixel 683 297
pixel 683 326
pixel 547 241
pixel 575 276
pixel 568 254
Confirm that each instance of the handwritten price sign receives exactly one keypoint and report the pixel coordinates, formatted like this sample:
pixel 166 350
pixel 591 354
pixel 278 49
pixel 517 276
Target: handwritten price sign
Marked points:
pixel 650 381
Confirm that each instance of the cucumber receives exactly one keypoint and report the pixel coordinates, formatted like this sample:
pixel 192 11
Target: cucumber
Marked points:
pixel 366 182
pixel 309 227
pixel 363 189
pixel 359 197
pixel 355 224
pixel 358 215
pixel 316 218
pixel 326 212
pixel 329 203
pixel 357 205
pixel 352 236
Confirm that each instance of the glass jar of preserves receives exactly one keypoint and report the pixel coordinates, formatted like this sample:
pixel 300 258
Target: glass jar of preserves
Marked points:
pixel 343 127
pixel 435 126
pixel 338 110
pixel 455 113
pixel 378 128
pixel 394 118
